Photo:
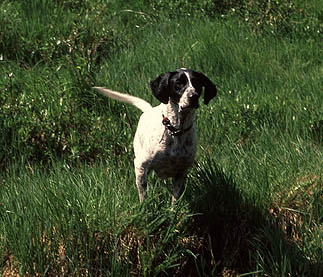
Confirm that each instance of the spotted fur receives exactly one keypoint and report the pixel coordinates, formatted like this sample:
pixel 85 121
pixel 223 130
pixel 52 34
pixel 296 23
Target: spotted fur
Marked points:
pixel 156 147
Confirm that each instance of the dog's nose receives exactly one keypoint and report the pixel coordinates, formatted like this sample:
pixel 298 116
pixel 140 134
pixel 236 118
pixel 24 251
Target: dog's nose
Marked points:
pixel 193 96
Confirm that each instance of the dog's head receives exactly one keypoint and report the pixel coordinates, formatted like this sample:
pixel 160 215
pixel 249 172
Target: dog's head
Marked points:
pixel 183 87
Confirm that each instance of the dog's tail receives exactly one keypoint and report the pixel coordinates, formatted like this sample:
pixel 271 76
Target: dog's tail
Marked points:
pixel 126 98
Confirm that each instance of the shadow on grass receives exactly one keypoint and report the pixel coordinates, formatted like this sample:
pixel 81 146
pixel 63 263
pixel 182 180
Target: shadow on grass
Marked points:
pixel 236 236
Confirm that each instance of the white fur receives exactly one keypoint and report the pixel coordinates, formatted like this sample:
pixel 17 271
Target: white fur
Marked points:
pixel 156 147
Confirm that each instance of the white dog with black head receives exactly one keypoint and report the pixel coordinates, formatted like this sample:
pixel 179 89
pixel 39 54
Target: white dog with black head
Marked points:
pixel 165 140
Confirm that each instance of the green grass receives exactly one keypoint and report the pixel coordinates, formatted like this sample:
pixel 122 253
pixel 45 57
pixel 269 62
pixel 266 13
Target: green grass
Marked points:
pixel 253 200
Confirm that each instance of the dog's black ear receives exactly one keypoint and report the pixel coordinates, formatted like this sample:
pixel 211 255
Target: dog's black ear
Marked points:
pixel 160 87
pixel 210 90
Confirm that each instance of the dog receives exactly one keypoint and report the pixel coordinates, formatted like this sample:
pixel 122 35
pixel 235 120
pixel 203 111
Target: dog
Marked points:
pixel 165 140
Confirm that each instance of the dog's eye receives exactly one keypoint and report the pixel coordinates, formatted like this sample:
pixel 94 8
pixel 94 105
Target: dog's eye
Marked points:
pixel 196 84
pixel 179 84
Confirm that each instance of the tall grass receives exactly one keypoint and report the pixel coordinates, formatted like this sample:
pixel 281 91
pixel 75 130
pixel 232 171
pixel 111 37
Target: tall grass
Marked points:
pixel 253 200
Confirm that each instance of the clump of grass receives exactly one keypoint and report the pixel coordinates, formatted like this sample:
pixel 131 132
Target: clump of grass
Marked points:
pixel 72 224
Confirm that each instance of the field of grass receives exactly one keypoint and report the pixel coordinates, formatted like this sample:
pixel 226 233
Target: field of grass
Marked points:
pixel 253 203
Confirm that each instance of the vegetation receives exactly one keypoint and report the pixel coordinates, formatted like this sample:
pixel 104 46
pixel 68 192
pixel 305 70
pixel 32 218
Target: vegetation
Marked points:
pixel 253 201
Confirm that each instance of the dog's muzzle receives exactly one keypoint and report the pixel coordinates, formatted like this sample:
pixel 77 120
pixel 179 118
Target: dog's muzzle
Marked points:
pixel 193 101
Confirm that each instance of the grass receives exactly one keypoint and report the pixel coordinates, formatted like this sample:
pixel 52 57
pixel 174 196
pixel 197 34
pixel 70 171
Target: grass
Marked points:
pixel 253 200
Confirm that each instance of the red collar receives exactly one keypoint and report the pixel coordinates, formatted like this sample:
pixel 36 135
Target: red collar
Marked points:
pixel 173 130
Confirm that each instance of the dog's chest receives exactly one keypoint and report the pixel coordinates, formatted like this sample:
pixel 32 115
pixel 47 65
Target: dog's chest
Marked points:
pixel 175 155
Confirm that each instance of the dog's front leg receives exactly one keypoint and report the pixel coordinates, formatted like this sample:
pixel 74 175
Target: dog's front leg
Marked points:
pixel 141 181
pixel 178 183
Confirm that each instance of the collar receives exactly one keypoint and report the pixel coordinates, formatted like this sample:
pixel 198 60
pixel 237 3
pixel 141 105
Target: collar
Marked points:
pixel 173 130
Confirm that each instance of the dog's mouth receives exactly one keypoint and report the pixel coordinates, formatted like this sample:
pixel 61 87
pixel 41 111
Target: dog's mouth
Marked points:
pixel 190 106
